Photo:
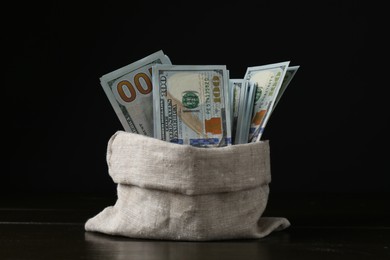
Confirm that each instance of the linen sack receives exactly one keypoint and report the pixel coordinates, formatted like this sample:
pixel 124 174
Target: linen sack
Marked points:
pixel 181 192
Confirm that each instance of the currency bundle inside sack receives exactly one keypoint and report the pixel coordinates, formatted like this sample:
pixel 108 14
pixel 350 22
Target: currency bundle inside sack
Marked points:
pixel 198 105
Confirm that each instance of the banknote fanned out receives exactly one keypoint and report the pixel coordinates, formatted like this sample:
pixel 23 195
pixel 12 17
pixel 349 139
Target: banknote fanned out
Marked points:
pixel 129 90
pixel 236 88
pixel 267 80
pixel 242 103
pixel 191 104
pixel 245 113
pixel 290 73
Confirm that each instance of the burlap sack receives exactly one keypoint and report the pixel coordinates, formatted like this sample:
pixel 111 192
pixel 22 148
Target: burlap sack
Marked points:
pixel 181 192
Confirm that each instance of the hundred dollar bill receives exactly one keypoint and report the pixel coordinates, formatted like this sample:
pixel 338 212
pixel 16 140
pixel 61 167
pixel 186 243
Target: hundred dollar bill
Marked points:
pixel 236 90
pixel 290 73
pixel 245 112
pixel 191 104
pixel 267 80
pixel 129 90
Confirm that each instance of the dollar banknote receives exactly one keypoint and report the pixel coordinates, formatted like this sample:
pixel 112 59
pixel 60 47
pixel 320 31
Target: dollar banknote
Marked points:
pixel 244 113
pixel 237 89
pixel 191 104
pixel 129 90
pixel 290 73
pixel 267 80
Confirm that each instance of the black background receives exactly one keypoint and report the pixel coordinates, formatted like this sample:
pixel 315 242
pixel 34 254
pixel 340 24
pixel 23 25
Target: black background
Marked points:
pixel 329 132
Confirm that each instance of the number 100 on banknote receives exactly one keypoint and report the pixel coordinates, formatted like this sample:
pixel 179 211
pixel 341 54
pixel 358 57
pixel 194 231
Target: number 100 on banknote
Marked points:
pixel 129 90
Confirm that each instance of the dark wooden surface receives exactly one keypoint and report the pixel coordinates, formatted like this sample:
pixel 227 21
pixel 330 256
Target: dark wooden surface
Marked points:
pixel 324 226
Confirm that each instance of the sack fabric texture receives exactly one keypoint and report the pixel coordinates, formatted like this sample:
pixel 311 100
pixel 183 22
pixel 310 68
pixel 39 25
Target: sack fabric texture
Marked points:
pixel 181 192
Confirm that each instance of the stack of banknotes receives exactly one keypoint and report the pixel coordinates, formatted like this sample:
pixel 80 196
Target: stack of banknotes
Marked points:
pixel 198 105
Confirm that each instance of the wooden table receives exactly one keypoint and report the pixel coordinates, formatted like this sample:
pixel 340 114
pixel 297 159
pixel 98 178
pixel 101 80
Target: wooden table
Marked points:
pixel 324 226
